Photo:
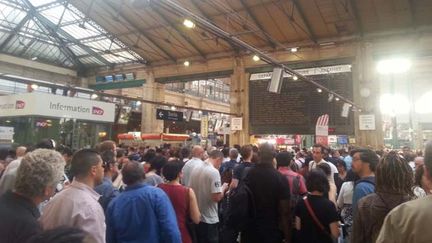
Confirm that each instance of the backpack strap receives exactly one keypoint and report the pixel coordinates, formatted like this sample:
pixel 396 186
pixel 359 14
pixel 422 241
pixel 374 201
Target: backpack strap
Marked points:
pixel 314 217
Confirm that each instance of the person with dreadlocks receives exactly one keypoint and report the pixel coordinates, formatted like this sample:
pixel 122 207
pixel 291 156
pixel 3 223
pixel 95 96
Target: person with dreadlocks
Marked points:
pixel 394 182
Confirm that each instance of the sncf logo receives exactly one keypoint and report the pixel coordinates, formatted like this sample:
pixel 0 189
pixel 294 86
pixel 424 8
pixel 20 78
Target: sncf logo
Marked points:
pixel 19 104
pixel 97 111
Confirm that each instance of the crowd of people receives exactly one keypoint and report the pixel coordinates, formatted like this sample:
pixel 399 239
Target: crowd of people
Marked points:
pixel 209 195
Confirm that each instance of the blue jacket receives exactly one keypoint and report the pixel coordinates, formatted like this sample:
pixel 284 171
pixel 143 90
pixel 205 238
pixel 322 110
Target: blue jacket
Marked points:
pixel 362 188
pixel 142 213
pixel 107 192
pixel 228 166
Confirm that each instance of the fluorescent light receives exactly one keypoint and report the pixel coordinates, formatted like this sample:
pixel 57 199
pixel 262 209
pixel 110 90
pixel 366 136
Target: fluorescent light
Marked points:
pixel 395 65
pixel 188 23
pixel 34 86
pixel 93 96
pixel 394 104
pixel 319 90
pixel 295 77
pixel 186 63
pixel 34 58
pixel 294 49
pixel 256 58
pixel 337 99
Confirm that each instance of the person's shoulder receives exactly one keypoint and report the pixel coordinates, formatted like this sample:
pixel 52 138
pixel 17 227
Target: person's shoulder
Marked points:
pixel 366 201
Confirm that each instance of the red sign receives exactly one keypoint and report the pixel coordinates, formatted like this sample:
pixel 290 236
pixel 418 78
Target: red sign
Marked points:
pixel 97 111
pixel 19 104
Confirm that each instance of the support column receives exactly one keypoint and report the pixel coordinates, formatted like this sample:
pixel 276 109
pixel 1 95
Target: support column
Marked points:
pixel 366 94
pixel 239 102
pixel 155 92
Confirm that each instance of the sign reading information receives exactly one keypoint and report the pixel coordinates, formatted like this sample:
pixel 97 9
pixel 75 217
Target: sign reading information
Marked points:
pixel 36 104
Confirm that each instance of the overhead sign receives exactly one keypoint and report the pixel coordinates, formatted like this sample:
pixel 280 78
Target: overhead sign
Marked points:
pixel 367 122
pixel 6 133
pixel 50 105
pixel 237 123
pixel 306 72
pixel 168 115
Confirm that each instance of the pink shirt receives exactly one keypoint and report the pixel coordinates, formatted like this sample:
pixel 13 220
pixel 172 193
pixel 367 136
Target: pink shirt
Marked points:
pixel 289 174
pixel 76 206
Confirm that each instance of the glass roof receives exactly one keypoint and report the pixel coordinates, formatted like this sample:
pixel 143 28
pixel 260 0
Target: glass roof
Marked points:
pixel 54 31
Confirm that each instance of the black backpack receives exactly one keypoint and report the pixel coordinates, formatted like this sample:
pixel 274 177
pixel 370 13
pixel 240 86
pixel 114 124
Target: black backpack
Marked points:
pixel 239 208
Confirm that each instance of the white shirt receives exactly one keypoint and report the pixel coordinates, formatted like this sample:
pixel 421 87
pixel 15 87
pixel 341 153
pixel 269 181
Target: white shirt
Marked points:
pixel 187 169
pixel 205 180
pixel 346 194
pixel 313 164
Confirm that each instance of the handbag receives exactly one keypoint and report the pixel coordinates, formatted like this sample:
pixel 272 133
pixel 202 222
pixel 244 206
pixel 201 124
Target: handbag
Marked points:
pixel 315 218
pixel 189 224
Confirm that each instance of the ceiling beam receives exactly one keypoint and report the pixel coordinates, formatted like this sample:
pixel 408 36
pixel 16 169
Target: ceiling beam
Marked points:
pixel 270 40
pixel 203 13
pixel 179 31
pixel 133 25
pixel 308 26
pixel 357 18
pixel 15 31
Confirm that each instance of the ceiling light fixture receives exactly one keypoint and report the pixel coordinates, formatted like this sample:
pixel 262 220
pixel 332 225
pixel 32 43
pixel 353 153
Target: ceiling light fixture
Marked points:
pixel 256 58
pixel 295 77
pixel 319 90
pixel 93 96
pixel 34 86
pixel 337 99
pixel 173 108
pixel 186 63
pixel 294 49
pixel 188 23
pixel 34 58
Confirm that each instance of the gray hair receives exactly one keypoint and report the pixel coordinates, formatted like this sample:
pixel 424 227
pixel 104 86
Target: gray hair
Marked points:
pixel 39 169
pixel 233 153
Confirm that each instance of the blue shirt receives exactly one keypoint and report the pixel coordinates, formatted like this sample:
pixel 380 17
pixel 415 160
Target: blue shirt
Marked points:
pixel 107 192
pixel 142 213
pixel 348 162
pixel 361 190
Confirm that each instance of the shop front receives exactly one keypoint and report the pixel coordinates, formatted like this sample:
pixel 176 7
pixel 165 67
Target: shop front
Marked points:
pixel 73 122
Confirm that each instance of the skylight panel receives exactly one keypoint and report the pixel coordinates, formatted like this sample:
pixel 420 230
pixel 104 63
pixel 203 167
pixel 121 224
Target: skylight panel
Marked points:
pixel 103 45
pixel 81 31
pixel 38 3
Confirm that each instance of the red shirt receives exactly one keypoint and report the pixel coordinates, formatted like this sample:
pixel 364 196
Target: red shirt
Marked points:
pixel 290 175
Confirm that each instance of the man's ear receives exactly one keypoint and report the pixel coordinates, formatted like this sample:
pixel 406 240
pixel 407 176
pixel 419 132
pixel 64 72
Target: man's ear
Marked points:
pixel 93 170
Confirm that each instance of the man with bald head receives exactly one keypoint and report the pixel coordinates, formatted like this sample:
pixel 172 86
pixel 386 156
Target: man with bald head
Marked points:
pixel 197 155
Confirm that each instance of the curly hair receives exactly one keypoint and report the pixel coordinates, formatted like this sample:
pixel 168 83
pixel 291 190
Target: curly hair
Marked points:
pixel 394 175
pixel 39 169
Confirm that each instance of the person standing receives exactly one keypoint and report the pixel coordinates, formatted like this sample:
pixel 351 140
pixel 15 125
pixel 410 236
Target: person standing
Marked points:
pixel 394 181
pixel 271 196
pixel 196 160
pixel 410 221
pixel 141 213
pixel 364 162
pixel 36 180
pixel 246 153
pixel 318 155
pixel 182 198
pixel 77 205
pixel 316 218
pixel 205 180
pixel 344 201
pixel 106 189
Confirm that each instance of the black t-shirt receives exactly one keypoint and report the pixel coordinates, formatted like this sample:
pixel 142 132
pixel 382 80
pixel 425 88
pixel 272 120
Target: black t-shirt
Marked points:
pixel 326 213
pixel 18 218
pixel 268 187
pixel 238 170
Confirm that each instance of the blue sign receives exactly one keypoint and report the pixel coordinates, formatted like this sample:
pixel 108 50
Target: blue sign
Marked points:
pixel 342 139
pixel 169 115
